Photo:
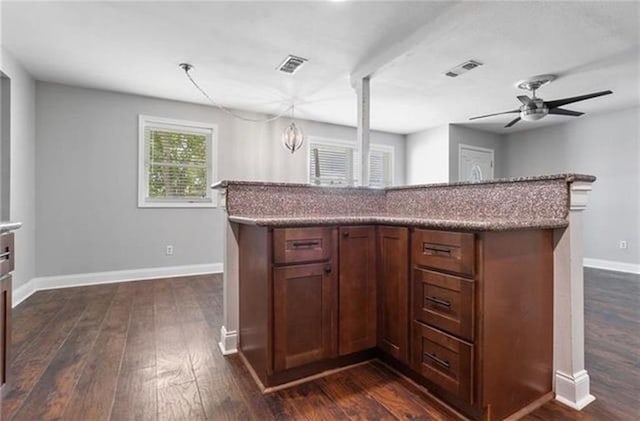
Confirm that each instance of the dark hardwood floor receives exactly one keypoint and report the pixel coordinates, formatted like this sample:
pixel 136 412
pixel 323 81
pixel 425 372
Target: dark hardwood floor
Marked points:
pixel 148 351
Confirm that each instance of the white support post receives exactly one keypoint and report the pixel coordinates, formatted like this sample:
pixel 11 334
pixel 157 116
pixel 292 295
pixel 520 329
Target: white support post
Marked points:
pixel 362 90
pixel 571 381
pixel 229 330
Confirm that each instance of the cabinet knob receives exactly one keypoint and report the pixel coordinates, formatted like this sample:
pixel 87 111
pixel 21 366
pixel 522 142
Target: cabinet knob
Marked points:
pixel 327 269
pixel 345 233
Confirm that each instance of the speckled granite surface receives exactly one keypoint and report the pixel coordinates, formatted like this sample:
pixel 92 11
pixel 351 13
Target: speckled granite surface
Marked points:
pixel 520 203
pixel 296 200
pixel 465 224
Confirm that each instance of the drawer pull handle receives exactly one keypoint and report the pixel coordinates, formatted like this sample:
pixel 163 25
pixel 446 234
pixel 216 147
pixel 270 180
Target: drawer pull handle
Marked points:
pixel 327 269
pixel 438 301
pixel 305 244
pixel 435 250
pixel 435 358
pixel 5 256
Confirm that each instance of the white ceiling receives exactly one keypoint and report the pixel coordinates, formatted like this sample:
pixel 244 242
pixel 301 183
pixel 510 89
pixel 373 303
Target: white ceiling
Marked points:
pixel 136 47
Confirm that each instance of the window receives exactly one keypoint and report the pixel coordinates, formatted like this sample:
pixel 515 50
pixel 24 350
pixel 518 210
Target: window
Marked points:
pixel 333 162
pixel 381 165
pixel 337 163
pixel 175 163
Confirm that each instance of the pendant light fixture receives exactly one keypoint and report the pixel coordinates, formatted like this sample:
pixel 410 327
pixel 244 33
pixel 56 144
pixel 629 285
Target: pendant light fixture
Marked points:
pixel 293 136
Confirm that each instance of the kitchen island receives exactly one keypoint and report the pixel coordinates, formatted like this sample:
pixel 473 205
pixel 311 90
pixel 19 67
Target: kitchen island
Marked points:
pixel 454 285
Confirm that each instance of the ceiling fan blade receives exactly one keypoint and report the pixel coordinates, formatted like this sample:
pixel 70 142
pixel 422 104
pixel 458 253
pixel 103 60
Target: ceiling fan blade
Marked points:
pixel 491 115
pixel 560 102
pixel 512 122
pixel 562 111
pixel 525 100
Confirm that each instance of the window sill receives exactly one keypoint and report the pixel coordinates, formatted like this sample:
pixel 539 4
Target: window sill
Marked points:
pixel 179 205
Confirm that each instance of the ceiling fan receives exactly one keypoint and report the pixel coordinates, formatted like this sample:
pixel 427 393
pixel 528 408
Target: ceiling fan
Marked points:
pixel 535 108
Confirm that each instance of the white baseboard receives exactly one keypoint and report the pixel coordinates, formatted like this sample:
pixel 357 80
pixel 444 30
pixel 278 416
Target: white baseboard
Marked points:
pixel 22 293
pixel 84 279
pixel 573 391
pixel 228 341
pixel 612 265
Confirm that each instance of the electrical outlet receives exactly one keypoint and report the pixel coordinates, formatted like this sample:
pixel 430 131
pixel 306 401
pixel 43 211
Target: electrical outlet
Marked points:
pixel 169 251
pixel 623 244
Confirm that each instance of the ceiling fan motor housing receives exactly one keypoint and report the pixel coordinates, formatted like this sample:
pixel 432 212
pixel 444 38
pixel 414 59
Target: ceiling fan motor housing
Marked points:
pixel 534 110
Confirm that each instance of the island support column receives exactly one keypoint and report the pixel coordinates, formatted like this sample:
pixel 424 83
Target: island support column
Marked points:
pixel 571 381
pixel 364 94
pixel 229 330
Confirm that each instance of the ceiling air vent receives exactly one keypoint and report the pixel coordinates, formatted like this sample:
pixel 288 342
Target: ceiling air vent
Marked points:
pixel 291 64
pixel 463 68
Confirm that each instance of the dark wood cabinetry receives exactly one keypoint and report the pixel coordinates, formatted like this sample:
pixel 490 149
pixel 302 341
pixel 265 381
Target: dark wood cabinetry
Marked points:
pixel 304 315
pixel 357 289
pixel 393 291
pixel 444 360
pixel 469 315
pixel 482 318
pixel 6 266
pixel 444 301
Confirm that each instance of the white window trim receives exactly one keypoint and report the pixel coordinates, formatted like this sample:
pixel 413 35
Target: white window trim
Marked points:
pixel 193 126
pixel 356 157
pixel 392 151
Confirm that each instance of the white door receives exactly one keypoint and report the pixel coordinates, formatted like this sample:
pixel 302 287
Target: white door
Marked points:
pixel 475 163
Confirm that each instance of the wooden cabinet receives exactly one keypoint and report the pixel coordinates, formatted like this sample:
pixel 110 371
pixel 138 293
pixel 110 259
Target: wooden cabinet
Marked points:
pixel 288 293
pixel 357 289
pixel 300 245
pixel 468 315
pixel 444 360
pixel 444 301
pixel 6 266
pixel 393 291
pixel 444 250
pixel 482 318
pixel 304 315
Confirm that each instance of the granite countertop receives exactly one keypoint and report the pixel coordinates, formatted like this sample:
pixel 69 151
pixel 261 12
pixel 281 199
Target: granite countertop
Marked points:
pixel 540 202
pixel 6 226
pixel 462 224
pixel 568 177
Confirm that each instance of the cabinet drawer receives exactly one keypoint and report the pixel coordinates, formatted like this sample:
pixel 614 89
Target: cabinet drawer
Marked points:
pixel 300 245
pixel 444 301
pixel 443 360
pixel 450 251
pixel 6 253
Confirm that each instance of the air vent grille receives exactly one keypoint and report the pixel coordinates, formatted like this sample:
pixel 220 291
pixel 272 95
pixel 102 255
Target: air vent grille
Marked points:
pixel 462 68
pixel 291 64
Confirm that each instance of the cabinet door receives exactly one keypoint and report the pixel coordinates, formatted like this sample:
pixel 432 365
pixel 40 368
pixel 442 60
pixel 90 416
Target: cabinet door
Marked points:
pixel 393 291
pixel 5 327
pixel 304 314
pixel 357 286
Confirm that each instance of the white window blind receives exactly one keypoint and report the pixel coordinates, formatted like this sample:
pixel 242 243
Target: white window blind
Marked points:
pixel 176 164
pixel 380 167
pixel 332 163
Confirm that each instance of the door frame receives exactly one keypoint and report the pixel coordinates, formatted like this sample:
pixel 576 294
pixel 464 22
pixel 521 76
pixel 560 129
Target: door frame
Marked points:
pixel 462 146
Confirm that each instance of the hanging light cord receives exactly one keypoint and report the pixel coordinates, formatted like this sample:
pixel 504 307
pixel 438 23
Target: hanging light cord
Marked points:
pixel 187 67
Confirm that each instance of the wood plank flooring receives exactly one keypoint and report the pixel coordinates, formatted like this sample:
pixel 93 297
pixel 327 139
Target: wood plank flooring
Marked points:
pixel 148 351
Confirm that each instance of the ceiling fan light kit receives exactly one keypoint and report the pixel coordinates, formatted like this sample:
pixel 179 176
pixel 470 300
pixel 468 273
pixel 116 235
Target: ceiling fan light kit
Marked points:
pixel 534 108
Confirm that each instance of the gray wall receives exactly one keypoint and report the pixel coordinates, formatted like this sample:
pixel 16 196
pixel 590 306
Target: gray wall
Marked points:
pixel 22 156
pixel 432 155
pixel 467 136
pixel 5 146
pixel 605 145
pixel 88 219
pixel 427 156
